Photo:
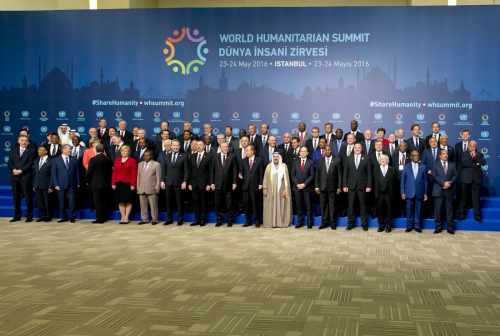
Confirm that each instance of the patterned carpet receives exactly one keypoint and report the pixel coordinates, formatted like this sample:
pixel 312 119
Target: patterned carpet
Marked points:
pixel 84 279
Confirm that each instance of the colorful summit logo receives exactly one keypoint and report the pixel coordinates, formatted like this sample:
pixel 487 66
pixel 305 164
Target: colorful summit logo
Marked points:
pixel 196 62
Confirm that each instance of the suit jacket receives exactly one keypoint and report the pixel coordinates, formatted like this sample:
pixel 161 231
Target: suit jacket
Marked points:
pixel 387 149
pixel 411 145
pixel 286 154
pixel 42 175
pixel 310 147
pixel 199 176
pixel 257 143
pixel 411 186
pixel 316 155
pixel 99 172
pixel 331 180
pixel 223 175
pixel 332 139
pixel 307 176
pixel 148 180
pixel 24 162
pixel 397 157
pixel 233 144
pixel 252 178
pixel 471 171
pixel 428 137
pixel 459 151
pixel 357 179
pixel 451 153
pixel 175 173
pixel 428 159
pixel 183 144
pixel 336 146
pixel 384 185
pixel 58 149
pixel 374 161
pixel 359 136
pixel 264 154
pixel 128 137
pixel 440 177
pixel 367 150
pixel 65 178
pixel 343 153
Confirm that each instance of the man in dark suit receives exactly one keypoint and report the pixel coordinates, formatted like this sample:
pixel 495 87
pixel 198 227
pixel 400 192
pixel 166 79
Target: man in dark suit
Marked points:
pixel 329 136
pixel 199 174
pixel 462 146
pixel 185 141
pixel 126 135
pixel 357 181
pixel 368 143
pixel 347 148
pixel 430 156
pixel 358 136
pixel 313 142
pixel 384 177
pixel 224 170
pixel 471 178
pixel 230 139
pixel 286 148
pixel 436 134
pixel 99 180
pixel 443 191
pixel 20 165
pixel 252 172
pixel 443 145
pixel 175 171
pixel 102 130
pixel 268 150
pixel 302 185
pixel 415 142
pixel 66 180
pixel 413 187
pixel 53 146
pixel 337 142
pixel 327 184
pixel 255 139
pixel 41 183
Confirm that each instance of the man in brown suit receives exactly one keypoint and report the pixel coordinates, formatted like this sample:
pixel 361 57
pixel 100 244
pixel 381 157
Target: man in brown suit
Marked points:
pixel 148 187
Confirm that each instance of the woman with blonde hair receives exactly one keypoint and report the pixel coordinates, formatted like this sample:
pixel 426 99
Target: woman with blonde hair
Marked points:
pixel 124 181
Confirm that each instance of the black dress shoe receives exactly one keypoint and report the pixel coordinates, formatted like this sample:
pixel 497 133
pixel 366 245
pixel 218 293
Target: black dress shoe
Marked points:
pixel 309 226
pixel 180 221
pixel 15 219
pixel 168 222
pixel 154 223
pixel 203 223
pixel 97 222
pixel 40 220
pixel 365 227
pixel 218 224
pixel 123 223
pixel 438 230
pixel 142 223
pixel 47 220
pixel 333 227
pixel 298 226
pixel 388 229
pixel 322 226
pixel 349 227
pixel 247 224
pixel 230 224
pixel 451 231
pixel 419 230
pixel 380 229
pixel 72 220
pixel 29 219
pixel 62 220
pixel 409 230
pixel 194 223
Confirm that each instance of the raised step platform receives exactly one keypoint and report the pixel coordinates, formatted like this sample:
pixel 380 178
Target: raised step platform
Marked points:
pixel 490 211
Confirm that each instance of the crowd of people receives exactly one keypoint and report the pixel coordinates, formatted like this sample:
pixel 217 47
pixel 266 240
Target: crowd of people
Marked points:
pixel 380 175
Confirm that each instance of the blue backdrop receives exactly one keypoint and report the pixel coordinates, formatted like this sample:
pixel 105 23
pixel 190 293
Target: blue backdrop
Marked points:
pixel 385 66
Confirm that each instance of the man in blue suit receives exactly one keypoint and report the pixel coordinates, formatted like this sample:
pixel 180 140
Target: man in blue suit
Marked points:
pixel 66 180
pixel 42 183
pixel 445 175
pixel 414 190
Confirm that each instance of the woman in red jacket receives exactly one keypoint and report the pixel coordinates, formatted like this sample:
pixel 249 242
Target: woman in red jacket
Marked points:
pixel 124 181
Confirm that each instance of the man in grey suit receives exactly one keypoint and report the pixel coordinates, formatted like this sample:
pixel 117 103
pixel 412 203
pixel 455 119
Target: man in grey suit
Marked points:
pixel 148 187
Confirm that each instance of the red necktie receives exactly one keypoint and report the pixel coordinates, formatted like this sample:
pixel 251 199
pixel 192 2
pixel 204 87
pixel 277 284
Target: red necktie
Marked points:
pixel 302 164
